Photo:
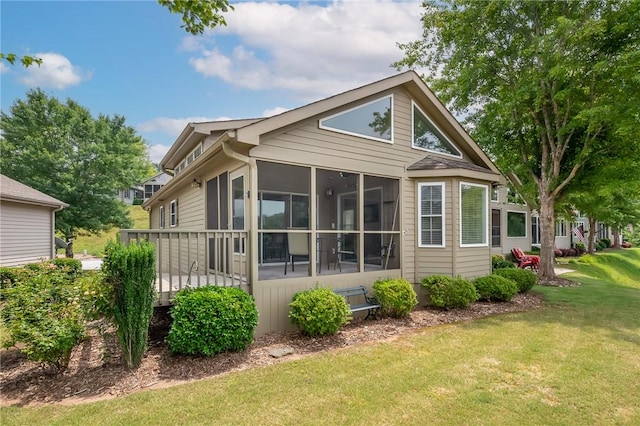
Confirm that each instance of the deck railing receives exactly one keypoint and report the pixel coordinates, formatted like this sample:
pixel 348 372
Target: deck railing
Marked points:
pixel 194 258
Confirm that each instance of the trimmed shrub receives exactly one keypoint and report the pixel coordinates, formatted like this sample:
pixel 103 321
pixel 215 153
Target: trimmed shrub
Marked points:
pixel 448 293
pixel 319 311
pixel 44 313
pixel 499 262
pixel 606 242
pixel 524 279
pixel 210 320
pixel 72 267
pixel 396 296
pixel 495 288
pixel 131 271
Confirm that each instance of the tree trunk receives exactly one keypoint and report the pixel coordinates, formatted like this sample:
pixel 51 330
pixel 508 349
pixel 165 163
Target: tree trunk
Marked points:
pixel 547 243
pixel 592 235
pixel 616 238
pixel 69 250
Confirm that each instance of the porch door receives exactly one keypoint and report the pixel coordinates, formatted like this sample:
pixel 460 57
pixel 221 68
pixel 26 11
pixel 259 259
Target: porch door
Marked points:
pixel 495 228
pixel 238 209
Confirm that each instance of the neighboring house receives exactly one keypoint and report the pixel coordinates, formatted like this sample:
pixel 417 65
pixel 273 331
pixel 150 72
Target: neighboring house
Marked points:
pixel 512 224
pixel 153 184
pixel 379 181
pixel 27 223
pixel 129 195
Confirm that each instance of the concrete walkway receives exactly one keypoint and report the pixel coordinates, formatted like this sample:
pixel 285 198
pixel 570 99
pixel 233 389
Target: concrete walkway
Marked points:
pixel 91 264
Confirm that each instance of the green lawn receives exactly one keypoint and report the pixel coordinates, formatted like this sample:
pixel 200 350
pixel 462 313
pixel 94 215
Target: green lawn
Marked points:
pixel 94 244
pixel 577 361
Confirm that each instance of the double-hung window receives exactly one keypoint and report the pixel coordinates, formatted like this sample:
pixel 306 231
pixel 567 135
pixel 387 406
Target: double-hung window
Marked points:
pixel 474 223
pixel 431 214
pixel 161 217
pixel 173 213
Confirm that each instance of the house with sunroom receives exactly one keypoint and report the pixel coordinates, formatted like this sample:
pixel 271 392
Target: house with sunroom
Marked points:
pixel 379 181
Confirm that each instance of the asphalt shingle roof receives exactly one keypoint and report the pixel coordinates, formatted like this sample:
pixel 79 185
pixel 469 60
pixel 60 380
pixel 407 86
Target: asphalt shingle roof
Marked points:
pixel 12 190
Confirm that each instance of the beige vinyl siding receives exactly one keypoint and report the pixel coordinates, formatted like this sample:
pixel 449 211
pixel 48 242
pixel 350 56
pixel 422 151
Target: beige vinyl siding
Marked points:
pixel 473 262
pixel 26 233
pixel 409 226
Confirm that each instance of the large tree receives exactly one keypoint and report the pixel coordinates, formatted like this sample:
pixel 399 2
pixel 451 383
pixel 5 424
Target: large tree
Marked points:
pixel 541 82
pixel 61 150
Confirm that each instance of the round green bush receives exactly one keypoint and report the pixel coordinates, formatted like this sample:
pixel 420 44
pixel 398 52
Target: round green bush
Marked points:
pixel 396 296
pixel 499 262
pixel 319 311
pixel 495 288
pixel 210 320
pixel 448 293
pixel 523 278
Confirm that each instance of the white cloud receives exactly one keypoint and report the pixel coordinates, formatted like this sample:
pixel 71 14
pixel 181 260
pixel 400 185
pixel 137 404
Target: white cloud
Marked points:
pixel 311 49
pixel 171 126
pixel 56 72
pixel 3 68
pixel 157 152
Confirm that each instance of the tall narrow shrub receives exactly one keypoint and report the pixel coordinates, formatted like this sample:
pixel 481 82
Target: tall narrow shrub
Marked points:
pixel 131 270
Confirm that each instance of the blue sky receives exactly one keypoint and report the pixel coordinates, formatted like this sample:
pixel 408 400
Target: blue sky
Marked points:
pixel 133 59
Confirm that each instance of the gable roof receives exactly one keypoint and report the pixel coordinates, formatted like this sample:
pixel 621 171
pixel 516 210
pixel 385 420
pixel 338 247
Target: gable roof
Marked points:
pixel 249 131
pixel 12 190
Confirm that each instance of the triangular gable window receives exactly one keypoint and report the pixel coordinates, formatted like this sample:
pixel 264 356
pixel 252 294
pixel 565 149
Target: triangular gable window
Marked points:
pixel 373 120
pixel 428 137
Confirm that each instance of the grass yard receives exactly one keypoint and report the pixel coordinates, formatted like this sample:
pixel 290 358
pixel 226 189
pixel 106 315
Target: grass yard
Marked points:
pixel 577 361
pixel 94 244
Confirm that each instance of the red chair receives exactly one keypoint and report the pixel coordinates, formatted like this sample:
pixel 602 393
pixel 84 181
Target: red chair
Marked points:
pixel 526 260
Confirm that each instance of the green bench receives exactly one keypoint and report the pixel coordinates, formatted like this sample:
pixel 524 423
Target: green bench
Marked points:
pixel 359 301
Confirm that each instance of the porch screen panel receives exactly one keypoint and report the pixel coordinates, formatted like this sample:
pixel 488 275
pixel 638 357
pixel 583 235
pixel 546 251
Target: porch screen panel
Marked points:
pixel 473 215
pixel 495 228
pixel 224 201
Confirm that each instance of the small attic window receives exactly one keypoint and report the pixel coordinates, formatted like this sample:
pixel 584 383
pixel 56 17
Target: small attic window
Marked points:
pixel 373 120
pixel 428 137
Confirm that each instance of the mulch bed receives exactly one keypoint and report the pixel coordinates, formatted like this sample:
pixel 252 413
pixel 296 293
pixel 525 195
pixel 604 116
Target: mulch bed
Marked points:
pixel 96 370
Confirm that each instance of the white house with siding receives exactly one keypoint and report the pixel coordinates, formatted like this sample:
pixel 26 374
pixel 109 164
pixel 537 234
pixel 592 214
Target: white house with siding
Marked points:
pixel 379 181
pixel 27 223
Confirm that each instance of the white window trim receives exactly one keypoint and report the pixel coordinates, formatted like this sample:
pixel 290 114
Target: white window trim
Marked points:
pixel 420 185
pixel 173 213
pixel 486 206
pixel 413 136
pixel 359 135
pixel 526 224
pixel 559 225
pixel 161 217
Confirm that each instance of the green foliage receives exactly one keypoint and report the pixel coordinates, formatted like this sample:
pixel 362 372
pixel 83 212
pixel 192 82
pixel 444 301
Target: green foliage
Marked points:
pixel 72 267
pixel 131 271
pixel 137 202
pixel 60 149
pixel 319 311
pixel 198 15
pixel 524 279
pixel 495 288
pixel 396 296
pixel 46 311
pixel 210 320
pixel 606 242
pixel 448 293
pixel 498 262
pixel 557 81
pixel 26 60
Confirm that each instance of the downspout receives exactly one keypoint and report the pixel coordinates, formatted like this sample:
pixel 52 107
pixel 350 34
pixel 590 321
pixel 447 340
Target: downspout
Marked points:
pixel 253 192
pixel 53 252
